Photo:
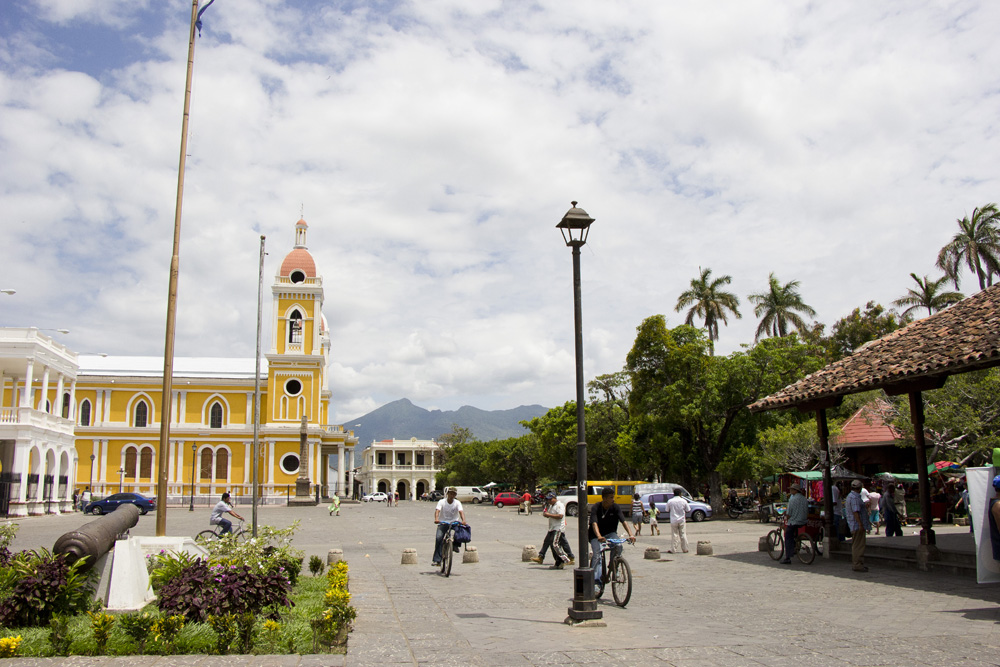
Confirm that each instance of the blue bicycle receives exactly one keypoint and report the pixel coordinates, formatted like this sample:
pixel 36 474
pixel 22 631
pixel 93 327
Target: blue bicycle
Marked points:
pixel 617 572
pixel 448 547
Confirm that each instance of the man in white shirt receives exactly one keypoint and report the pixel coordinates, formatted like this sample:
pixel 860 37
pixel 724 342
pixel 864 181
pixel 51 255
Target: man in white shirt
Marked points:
pixel 448 509
pixel 678 509
pixel 555 512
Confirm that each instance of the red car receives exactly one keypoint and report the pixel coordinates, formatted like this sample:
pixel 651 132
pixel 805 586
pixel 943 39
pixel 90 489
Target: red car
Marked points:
pixel 507 498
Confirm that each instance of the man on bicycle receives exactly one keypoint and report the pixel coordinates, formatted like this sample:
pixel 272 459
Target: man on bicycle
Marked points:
pixel 604 519
pixel 223 507
pixel 448 509
pixel 796 516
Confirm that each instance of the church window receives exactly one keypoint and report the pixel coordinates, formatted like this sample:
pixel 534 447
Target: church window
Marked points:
pixel 141 414
pixel 85 413
pixel 215 416
pixel 295 327
pixel 130 455
pixel 290 463
pixel 146 463
pixel 206 464
pixel 222 464
pixel 293 387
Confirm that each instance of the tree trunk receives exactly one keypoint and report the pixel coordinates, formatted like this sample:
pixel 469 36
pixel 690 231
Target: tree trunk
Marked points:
pixel 715 489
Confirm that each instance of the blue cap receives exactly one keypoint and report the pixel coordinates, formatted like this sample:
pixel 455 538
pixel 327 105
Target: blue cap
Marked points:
pixel 996 482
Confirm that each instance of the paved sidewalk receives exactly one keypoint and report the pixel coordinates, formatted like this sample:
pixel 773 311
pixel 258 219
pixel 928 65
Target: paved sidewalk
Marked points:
pixel 735 608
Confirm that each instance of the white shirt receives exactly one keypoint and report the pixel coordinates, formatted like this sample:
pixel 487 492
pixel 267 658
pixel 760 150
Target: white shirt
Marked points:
pixel 678 508
pixel 448 512
pixel 560 523
pixel 865 495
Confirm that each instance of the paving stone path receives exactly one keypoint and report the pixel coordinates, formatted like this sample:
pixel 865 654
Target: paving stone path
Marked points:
pixel 735 608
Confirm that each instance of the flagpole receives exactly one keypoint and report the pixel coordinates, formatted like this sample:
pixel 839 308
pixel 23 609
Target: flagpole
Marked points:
pixel 256 387
pixel 166 398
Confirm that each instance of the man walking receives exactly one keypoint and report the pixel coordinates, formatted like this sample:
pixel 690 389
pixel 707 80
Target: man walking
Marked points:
pixel 796 516
pixel 555 512
pixel 857 521
pixel 887 505
pixel 678 508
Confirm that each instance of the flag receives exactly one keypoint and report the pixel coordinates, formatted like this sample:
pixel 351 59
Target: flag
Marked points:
pixel 201 11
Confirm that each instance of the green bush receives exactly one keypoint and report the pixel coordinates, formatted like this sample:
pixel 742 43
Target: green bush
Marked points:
pixel 316 565
pixel 37 585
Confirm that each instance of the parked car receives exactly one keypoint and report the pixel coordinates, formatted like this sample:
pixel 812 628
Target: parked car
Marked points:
pixel 507 498
pixel 111 503
pixel 377 497
pixel 432 496
pixel 697 510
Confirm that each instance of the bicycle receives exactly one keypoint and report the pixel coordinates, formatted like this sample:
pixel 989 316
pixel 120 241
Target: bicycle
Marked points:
pixel 238 533
pixel 448 547
pixel 618 571
pixel 805 545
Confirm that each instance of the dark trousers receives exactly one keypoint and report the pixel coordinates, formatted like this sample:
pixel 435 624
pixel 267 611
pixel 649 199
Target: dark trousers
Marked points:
pixel 892 527
pixel 791 532
pixel 563 542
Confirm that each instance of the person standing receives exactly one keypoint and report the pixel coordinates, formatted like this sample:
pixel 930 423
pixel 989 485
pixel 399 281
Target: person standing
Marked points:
pixel 796 515
pixel 555 512
pixel 85 498
pixel 654 526
pixel 526 502
pixel 857 521
pixel 900 500
pixel 636 514
pixel 874 498
pixel 887 507
pixel 994 519
pixel 838 511
pixel 604 519
pixel 448 510
pixel 864 498
pixel 678 509
pixel 963 502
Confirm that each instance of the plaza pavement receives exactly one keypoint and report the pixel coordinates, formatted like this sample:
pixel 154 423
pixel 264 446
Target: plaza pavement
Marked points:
pixel 735 608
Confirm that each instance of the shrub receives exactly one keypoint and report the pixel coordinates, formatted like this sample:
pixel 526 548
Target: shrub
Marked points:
pixel 138 627
pixel 334 622
pixel 316 565
pixel 101 624
pixel 200 590
pixel 59 634
pixel 225 629
pixel 9 646
pixel 165 631
pixel 166 565
pixel 7 533
pixel 188 593
pixel 37 585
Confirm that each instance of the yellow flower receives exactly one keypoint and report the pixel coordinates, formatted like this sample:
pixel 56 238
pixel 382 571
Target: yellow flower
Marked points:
pixel 9 646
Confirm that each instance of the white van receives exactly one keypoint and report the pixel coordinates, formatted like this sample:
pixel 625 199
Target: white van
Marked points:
pixel 672 489
pixel 471 494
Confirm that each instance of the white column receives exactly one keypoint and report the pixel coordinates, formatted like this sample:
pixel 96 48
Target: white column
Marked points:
pixel 45 391
pixel 341 461
pixel 60 385
pixel 103 458
pixel 28 379
pixel 72 400
pixel 182 417
pixel 249 419
pixel 3 387
pixel 106 407
pixel 270 461
pixel 247 462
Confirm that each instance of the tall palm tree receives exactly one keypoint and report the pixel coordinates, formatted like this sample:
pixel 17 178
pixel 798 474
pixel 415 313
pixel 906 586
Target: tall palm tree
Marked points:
pixel 776 308
pixel 928 295
pixel 709 302
pixel 977 245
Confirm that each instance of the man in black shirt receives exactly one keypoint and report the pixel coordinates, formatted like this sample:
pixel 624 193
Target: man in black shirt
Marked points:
pixel 604 519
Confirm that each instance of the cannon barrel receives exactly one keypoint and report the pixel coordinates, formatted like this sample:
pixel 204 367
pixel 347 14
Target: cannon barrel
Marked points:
pixel 96 538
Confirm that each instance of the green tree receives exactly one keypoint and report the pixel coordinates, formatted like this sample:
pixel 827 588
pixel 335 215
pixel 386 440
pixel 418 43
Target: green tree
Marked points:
pixel 779 307
pixel 930 294
pixel 708 301
pixel 977 245
pixel 851 332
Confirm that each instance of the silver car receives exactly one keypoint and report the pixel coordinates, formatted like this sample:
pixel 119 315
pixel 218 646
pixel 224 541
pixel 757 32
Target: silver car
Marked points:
pixel 697 510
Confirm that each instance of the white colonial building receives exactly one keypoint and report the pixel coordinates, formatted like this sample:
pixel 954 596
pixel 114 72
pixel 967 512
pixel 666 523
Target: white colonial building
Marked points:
pixel 407 467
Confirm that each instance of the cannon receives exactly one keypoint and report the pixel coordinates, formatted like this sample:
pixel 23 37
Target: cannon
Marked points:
pixel 94 539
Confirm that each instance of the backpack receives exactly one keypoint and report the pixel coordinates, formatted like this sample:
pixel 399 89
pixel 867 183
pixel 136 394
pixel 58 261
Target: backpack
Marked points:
pixel 463 534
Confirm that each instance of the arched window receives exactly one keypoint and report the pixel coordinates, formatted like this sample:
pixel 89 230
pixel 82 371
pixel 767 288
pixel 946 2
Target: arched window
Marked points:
pixel 215 415
pixel 295 327
pixel 85 413
pixel 146 463
pixel 206 464
pixel 141 413
pixel 221 464
pixel 65 406
pixel 130 462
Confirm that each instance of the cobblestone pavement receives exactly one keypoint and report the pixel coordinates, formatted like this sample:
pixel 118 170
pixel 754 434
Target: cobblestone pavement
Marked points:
pixel 735 608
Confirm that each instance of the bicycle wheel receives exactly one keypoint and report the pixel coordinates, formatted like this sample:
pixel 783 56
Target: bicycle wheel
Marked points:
pixel 775 547
pixel 621 581
pixel 805 549
pixel 207 534
pixel 446 556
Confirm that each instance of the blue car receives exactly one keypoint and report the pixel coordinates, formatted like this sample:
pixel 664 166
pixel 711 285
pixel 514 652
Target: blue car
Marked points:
pixel 697 510
pixel 111 503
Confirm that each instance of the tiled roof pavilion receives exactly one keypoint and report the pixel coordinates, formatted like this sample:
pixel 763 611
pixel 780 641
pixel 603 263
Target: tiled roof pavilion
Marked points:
pixel 964 337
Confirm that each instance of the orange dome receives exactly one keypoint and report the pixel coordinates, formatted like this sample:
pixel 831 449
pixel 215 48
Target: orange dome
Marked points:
pixel 299 258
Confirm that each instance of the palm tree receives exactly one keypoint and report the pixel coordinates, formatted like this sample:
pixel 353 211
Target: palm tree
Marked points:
pixel 977 245
pixel 927 295
pixel 709 302
pixel 776 308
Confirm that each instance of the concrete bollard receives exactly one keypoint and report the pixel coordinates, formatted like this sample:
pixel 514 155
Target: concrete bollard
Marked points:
pixel 762 543
pixel 528 552
pixel 409 557
pixel 704 547
pixel 470 555
pixel 334 556
pixel 652 553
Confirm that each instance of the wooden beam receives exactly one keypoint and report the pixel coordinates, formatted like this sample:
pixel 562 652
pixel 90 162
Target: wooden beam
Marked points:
pixel 917 419
pixel 915 385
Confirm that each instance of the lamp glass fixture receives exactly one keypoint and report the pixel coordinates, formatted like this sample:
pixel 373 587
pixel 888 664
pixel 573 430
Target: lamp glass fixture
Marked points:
pixel 575 226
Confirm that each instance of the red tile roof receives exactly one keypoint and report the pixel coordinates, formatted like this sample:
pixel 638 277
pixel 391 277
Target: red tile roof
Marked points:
pixel 866 427
pixel 961 338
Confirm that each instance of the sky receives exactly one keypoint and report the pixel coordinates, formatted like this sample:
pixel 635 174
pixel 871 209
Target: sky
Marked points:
pixel 433 145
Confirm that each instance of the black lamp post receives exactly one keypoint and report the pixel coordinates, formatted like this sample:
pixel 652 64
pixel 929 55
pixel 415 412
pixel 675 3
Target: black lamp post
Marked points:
pixel 575 226
pixel 121 479
pixel 91 487
pixel 194 456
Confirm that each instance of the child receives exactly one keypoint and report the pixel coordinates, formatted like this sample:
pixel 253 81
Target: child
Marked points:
pixel 653 525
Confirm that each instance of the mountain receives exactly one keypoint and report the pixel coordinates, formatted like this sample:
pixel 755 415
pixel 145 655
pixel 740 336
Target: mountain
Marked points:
pixel 403 420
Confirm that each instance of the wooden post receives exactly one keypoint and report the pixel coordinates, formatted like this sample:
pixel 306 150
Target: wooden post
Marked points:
pixel 823 430
pixel 924 485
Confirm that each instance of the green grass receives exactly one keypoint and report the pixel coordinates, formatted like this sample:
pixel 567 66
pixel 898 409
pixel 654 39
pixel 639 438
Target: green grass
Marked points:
pixel 295 635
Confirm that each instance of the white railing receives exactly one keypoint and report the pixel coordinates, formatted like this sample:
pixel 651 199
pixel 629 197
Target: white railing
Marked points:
pixel 38 418
pixel 308 282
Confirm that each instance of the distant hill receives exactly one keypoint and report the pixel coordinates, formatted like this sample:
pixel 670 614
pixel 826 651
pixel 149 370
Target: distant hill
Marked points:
pixel 403 420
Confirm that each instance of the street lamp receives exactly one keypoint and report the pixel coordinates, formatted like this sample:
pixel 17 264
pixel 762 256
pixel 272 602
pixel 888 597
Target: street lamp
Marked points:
pixel 575 226
pixel 91 487
pixel 9 291
pixel 62 331
pixel 121 479
pixel 194 450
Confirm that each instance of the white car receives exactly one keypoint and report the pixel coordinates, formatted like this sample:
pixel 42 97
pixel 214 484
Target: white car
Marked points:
pixel 377 497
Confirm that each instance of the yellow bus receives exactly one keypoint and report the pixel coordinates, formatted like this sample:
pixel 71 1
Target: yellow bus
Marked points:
pixel 623 495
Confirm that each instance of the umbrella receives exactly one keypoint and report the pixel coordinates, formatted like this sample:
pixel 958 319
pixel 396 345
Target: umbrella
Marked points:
pixel 946 465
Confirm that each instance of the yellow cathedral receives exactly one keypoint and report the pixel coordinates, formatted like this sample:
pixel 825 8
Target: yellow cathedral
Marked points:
pixel 116 402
